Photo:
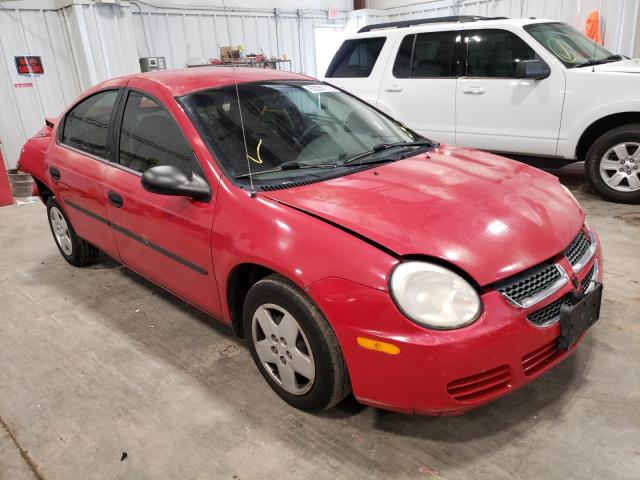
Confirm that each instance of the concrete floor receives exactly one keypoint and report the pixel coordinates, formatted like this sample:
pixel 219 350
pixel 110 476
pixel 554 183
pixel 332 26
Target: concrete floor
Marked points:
pixel 97 362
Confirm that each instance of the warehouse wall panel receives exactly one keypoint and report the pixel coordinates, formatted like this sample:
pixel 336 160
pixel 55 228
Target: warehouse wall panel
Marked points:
pixel 25 101
pixel 181 36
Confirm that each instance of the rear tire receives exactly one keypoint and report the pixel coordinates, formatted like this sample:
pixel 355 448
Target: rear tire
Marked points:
pixel 75 250
pixel 612 165
pixel 291 341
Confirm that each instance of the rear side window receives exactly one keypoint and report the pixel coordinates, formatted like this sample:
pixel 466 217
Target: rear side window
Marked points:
pixel 355 58
pixel 149 137
pixel 495 53
pixel 426 55
pixel 86 126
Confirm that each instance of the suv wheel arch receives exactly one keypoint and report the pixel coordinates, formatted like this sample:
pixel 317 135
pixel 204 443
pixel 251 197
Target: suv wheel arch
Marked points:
pixel 600 127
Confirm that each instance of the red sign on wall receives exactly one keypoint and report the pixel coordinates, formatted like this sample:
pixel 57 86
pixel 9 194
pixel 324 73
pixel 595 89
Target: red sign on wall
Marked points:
pixel 30 65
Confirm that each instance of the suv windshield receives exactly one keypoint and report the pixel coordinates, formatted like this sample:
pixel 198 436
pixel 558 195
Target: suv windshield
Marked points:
pixel 569 46
pixel 293 128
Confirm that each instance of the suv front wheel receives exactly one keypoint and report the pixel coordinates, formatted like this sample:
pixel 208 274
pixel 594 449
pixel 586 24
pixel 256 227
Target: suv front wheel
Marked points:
pixel 613 164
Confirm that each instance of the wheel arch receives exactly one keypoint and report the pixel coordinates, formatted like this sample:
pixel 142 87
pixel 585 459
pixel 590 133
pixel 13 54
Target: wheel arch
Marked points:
pixel 600 127
pixel 44 192
pixel 239 281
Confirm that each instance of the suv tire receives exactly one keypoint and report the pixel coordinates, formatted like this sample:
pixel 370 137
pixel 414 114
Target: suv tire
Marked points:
pixel 614 178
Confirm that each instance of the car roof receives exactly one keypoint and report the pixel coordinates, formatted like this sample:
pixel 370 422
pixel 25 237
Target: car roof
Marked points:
pixel 446 26
pixel 187 80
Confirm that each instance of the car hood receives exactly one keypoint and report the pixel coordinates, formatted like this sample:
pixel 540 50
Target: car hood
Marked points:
pixel 623 66
pixel 490 216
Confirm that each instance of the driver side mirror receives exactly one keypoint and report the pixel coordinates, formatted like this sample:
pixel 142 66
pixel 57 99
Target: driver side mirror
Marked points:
pixel 170 180
pixel 533 69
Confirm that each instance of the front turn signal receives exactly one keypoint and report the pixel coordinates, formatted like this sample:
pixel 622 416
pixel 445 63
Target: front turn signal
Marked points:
pixel 378 346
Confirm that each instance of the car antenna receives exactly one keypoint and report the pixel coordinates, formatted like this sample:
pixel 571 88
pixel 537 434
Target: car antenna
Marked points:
pixel 595 48
pixel 235 81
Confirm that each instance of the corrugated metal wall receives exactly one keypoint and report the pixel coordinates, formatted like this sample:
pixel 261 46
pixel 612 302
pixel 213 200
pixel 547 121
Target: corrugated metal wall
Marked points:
pixel 183 35
pixel 23 108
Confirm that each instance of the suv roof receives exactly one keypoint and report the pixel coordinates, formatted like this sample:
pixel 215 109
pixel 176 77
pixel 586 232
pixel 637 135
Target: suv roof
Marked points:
pixel 379 28
pixel 422 21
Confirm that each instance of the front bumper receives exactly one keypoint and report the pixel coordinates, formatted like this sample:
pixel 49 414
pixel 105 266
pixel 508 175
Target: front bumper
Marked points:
pixel 439 372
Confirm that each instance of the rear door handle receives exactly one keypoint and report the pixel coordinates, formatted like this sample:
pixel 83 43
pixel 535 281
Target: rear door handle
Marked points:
pixel 55 173
pixel 473 90
pixel 115 199
pixel 394 88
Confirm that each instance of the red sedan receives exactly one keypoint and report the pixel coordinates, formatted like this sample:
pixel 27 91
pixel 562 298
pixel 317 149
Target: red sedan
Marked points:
pixel 353 254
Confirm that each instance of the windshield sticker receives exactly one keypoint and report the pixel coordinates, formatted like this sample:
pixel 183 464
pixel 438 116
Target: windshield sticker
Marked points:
pixel 320 88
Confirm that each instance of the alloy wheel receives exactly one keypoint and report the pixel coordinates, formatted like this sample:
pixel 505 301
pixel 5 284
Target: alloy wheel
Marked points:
pixel 61 230
pixel 620 167
pixel 283 348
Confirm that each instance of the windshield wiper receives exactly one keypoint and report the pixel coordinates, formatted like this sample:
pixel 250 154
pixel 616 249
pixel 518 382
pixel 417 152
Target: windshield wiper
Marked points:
pixel 289 166
pixel 386 146
pixel 588 63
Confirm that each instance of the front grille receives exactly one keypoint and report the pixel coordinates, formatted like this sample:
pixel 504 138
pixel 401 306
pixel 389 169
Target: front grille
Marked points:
pixel 578 248
pixel 586 281
pixel 550 312
pixel 530 282
pixel 481 386
pixel 535 361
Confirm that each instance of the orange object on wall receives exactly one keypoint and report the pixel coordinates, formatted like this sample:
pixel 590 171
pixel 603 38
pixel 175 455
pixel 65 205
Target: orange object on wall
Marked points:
pixel 6 198
pixel 593 27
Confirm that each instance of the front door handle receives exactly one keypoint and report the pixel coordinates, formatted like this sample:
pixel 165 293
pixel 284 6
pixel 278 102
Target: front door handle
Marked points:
pixel 394 88
pixel 115 199
pixel 473 90
pixel 55 173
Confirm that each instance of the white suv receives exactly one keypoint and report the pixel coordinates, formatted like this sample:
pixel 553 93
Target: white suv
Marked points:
pixel 520 87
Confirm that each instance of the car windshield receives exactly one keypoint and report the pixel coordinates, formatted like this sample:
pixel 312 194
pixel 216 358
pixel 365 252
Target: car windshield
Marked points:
pixel 569 46
pixel 292 128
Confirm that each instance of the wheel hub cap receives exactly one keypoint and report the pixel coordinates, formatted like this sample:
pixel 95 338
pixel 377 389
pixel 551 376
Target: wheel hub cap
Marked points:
pixel 60 230
pixel 619 167
pixel 283 348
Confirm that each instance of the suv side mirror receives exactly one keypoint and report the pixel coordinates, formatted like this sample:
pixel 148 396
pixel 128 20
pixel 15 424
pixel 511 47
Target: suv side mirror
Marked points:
pixel 534 69
pixel 170 180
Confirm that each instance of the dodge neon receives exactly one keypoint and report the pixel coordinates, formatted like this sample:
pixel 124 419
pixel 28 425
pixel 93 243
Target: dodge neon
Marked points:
pixel 353 254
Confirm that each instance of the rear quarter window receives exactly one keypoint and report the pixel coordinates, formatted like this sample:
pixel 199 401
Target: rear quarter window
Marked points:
pixel 356 58
pixel 86 126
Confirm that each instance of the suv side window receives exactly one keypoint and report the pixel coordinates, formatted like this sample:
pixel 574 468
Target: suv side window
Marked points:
pixel 426 55
pixel 495 53
pixel 355 58
pixel 86 126
pixel 149 137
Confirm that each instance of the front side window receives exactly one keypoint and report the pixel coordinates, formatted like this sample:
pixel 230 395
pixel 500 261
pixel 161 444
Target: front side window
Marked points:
pixel 150 137
pixel 355 58
pixel 86 126
pixel 569 46
pixel 426 55
pixel 285 123
pixel 495 53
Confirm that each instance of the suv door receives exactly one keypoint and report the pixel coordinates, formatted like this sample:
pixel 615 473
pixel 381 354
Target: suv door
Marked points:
pixel 497 111
pixel 165 238
pixel 77 162
pixel 419 84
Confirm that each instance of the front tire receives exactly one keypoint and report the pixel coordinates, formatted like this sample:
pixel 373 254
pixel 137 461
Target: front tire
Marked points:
pixel 75 250
pixel 293 345
pixel 613 164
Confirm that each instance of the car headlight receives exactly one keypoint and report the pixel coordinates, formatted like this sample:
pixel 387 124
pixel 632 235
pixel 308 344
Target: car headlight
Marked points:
pixel 434 296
